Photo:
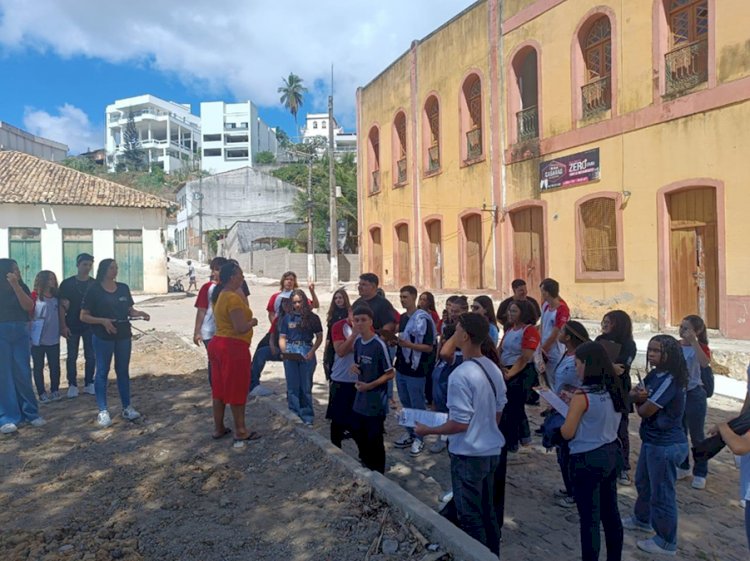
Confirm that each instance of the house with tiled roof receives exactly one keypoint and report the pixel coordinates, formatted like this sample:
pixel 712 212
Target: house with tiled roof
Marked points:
pixel 50 213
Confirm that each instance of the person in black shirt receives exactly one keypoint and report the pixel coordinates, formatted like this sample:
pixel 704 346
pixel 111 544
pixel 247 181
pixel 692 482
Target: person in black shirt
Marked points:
pixel 107 306
pixel 71 294
pixel 17 400
pixel 520 292
pixel 383 313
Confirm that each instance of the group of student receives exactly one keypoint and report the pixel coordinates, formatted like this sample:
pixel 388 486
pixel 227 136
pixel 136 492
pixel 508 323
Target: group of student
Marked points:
pixel 91 312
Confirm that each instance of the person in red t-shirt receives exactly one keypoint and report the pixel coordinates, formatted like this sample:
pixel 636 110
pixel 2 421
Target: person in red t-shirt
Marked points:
pixel 555 314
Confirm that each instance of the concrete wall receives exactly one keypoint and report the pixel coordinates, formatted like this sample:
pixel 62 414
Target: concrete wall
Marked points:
pixel 274 263
pixel 103 221
pixel 13 138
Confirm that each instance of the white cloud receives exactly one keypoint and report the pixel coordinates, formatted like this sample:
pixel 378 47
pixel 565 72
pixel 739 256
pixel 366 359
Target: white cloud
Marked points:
pixel 71 126
pixel 243 46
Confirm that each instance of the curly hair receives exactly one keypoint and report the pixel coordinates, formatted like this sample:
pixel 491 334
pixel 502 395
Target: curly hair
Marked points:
pixel 671 359
pixel 42 282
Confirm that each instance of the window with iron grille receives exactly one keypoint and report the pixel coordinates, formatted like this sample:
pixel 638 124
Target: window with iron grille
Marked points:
pixel 687 60
pixel 432 114
pixel 373 158
pixel 399 150
pixel 597 54
pixel 598 239
pixel 472 121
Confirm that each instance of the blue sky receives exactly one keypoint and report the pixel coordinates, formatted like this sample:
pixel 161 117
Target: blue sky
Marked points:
pixel 63 62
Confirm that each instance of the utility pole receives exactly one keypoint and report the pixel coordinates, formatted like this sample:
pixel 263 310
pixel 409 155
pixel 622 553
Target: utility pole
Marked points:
pixel 310 241
pixel 334 235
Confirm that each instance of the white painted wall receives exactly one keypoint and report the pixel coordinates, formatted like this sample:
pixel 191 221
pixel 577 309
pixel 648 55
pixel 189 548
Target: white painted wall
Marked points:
pixel 103 221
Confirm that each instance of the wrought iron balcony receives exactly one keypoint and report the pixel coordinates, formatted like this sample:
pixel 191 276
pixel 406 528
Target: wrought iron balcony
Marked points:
pixel 687 66
pixel 401 165
pixel 474 144
pixel 433 154
pixel 375 186
pixel 528 123
pixel 596 97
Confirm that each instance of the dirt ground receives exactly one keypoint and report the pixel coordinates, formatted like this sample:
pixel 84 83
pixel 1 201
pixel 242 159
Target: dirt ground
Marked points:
pixel 161 489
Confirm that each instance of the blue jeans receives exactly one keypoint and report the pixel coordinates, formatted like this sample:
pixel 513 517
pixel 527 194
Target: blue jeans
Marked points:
pixel 747 526
pixel 104 350
pixel 17 400
pixel 410 394
pixel 473 481
pixel 655 478
pixel 261 356
pixel 299 376
pixel 73 343
pixel 694 421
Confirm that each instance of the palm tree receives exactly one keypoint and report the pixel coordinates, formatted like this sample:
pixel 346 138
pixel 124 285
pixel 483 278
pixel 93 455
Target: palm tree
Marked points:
pixel 291 94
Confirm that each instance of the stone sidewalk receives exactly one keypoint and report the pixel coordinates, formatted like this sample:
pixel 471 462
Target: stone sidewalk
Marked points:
pixel 711 521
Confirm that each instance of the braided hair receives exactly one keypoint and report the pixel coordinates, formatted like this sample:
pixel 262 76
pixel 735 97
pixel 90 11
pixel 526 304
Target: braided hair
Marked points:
pixel 671 359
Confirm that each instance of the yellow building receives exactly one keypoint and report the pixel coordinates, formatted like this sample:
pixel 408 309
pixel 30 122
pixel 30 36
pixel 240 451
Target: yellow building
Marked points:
pixel 599 143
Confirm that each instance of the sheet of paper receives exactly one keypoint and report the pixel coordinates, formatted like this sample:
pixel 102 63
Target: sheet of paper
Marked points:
pixel 408 417
pixel 551 397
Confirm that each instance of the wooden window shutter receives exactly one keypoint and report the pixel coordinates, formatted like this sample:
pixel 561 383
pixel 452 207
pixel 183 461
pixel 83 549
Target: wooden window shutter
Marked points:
pixel 598 218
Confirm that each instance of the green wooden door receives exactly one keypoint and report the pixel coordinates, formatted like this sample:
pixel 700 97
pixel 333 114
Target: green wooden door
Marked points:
pixel 129 257
pixel 26 249
pixel 75 242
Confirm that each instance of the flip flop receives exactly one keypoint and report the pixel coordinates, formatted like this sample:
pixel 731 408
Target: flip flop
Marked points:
pixel 227 431
pixel 240 442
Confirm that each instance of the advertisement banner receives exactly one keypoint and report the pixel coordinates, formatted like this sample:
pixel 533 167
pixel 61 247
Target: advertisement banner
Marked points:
pixel 567 171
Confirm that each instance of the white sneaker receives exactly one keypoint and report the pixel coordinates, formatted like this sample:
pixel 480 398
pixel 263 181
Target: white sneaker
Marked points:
pixel 683 473
pixel 72 392
pixel 416 447
pixel 260 391
pixel 8 428
pixel 699 483
pixel 55 396
pixel 403 441
pixel 130 414
pixel 89 389
pixel 566 502
pixel 38 422
pixel 632 523
pixel 446 497
pixel 438 446
pixel 650 546
pixel 103 419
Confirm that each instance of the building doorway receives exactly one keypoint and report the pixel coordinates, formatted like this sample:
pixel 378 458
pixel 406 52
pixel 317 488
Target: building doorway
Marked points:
pixel 435 255
pixel 472 269
pixel 693 255
pixel 528 247
pixel 376 241
pixel 129 257
pixel 26 250
pixel 403 256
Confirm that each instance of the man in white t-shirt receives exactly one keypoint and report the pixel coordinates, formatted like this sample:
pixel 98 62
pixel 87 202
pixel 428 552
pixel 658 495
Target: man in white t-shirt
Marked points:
pixel 476 398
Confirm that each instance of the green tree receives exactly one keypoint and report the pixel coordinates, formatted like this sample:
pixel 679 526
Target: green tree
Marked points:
pixel 282 138
pixel 265 158
pixel 346 177
pixel 292 92
pixel 133 155
pixel 80 163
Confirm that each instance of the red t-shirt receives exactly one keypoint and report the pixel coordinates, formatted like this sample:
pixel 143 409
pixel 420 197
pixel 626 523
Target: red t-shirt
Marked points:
pixel 337 331
pixel 531 338
pixel 201 300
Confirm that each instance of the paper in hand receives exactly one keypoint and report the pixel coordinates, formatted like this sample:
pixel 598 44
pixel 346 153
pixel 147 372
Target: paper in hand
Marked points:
pixel 554 400
pixel 409 417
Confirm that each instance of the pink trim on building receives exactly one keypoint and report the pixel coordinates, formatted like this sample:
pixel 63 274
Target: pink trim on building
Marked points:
pixel 524 16
pixel 496 148
pixel 416 185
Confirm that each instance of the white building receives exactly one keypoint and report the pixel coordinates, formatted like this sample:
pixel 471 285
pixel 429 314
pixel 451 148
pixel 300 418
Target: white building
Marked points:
pixel 169 133
pixel 317 126
pixel 232 135
pixel 50 213
pixel 12 138
pixel 218 201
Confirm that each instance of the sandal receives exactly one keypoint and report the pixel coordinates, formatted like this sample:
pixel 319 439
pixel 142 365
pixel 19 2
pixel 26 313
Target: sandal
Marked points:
pixel 240 442
pixel 227 431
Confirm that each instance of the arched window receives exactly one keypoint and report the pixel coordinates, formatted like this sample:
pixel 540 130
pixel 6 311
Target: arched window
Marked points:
pixel 431 134
pixel 373 158
pixel 471 118
pixel 524 95
pixel 315 124
pixel 596 93
pixel 687 59
pixel 398 149
pixel 323 124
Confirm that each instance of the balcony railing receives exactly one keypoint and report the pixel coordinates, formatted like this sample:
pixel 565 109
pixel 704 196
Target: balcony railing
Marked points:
pixel 596 97
pixel 401 165
pixel 473 144
pixel 687 66
pixel 433 158
pixel 528 123
pixel 375 187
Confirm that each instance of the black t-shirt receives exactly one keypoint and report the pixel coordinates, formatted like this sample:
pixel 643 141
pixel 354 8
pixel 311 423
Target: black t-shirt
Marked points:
pixel 626 356
pixel 382 311
pixel 73 290
pixel 10 307
pixel 502 310
pixel 426 360
pixel 112 305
